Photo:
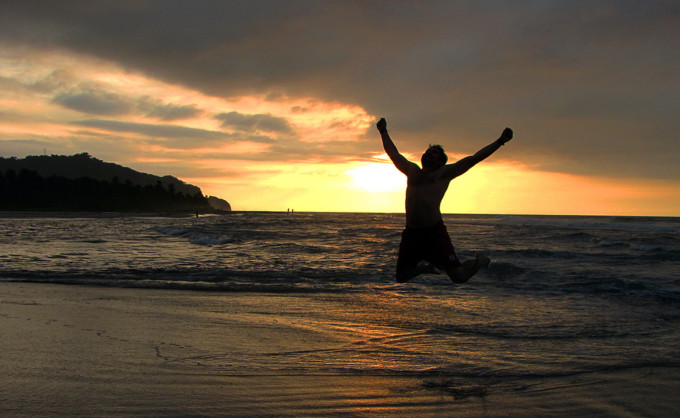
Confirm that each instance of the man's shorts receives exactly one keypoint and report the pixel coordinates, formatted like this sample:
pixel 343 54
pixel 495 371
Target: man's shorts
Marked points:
pixel 431 244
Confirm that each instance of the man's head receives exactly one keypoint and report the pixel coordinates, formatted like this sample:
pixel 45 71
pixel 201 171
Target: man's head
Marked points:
pixel 434 157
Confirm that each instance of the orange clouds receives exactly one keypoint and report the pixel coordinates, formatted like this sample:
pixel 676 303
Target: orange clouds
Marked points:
pixel 269 152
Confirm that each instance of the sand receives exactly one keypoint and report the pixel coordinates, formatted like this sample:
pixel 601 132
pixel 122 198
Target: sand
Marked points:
pixel 91 351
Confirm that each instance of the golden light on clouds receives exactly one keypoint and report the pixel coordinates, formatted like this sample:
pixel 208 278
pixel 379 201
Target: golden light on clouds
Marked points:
pixel 313 120
pixel 264 152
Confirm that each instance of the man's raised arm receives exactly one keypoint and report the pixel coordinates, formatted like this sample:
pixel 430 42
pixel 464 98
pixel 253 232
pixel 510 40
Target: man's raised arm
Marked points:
pixel 399 160
pixel 461 166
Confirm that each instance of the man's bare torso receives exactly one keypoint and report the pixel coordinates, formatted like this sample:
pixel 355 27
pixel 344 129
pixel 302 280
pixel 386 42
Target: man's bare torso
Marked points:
pixel 424 192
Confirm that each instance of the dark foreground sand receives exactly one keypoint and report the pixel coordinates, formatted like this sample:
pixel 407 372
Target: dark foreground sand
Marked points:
pixel 87 351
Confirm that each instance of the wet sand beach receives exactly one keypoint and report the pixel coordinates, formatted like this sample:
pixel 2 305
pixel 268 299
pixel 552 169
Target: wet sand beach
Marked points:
pixel 75 350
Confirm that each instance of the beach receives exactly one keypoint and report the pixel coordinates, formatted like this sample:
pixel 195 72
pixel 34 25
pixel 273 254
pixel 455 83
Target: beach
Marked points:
pixel 79 350
pixel 276 314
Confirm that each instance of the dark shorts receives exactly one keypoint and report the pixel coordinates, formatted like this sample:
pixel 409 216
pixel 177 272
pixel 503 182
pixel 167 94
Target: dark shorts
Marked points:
pixel 431 244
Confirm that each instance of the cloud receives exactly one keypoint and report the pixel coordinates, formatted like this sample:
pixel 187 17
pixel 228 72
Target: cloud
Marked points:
pixel 250 123
pixel 588 86
pixel 172 112
pixel 154 108
pixel 156 131
pixel 55 80
pixel 95 102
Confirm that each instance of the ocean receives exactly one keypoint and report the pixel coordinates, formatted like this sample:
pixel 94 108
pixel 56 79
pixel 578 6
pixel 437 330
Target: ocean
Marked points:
pixel 563 294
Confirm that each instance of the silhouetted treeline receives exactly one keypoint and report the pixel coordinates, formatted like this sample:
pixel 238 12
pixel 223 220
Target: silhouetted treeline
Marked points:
pixel 85 165
pixel 28 190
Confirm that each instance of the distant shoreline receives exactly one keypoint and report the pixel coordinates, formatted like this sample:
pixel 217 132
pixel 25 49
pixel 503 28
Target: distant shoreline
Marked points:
pixel 114 214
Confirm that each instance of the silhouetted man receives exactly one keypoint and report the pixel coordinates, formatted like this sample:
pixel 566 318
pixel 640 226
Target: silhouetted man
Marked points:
pixel 425 237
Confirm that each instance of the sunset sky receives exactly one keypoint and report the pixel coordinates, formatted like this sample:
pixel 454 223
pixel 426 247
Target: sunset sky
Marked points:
pixel 272 104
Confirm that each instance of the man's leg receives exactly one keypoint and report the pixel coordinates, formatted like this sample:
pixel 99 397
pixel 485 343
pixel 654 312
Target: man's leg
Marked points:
pixel 469 268
pixel 408 261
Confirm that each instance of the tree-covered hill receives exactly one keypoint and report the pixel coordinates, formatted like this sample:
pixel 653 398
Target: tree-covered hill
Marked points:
pixel 84 165
pixel 83 183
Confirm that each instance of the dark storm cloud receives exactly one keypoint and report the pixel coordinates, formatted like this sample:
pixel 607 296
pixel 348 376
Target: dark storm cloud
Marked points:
pixel 316 47
pixel 576 79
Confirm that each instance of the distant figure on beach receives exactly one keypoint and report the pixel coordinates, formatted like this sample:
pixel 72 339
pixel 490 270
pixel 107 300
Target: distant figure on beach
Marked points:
pixel 425 243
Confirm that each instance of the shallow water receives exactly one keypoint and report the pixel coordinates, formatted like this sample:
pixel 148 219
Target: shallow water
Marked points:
pixel 563 294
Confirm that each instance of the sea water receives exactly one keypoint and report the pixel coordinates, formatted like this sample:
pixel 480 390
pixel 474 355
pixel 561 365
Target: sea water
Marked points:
pixel 563 294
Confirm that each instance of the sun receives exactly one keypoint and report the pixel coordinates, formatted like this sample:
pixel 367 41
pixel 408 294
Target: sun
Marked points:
pixel 377 178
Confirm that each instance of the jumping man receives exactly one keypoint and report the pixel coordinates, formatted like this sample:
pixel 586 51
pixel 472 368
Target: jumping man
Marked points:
pixel 425 237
